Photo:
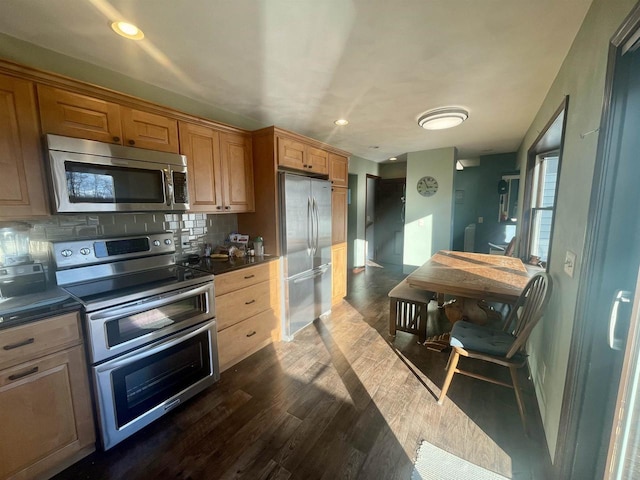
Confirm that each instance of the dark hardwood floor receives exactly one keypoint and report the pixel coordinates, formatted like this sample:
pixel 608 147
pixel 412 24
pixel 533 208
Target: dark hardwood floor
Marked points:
pixel 343 400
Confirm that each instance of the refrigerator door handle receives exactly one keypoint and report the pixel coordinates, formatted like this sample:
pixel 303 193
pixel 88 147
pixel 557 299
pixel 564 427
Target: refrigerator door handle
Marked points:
pixel 317 235
pixel 309 225
pixel 315 273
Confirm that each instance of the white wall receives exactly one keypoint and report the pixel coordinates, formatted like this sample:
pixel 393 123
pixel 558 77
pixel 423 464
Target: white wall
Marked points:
pixel 428 219
pixel 582 77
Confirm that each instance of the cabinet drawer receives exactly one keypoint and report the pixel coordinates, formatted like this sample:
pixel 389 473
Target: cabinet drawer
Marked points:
pixel 234 307
pixel 228 282
pixel 30 341
pixel 242 339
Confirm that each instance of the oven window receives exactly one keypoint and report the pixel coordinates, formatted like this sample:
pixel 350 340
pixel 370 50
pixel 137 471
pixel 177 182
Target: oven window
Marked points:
pixel 108 184
pixel 143 384
pixel 139 324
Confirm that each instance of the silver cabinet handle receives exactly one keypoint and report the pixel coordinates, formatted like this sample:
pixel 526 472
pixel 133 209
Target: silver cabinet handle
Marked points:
pixel 622 296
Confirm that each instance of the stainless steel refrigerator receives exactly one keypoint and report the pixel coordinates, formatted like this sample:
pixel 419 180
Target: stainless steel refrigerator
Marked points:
pixel 305 219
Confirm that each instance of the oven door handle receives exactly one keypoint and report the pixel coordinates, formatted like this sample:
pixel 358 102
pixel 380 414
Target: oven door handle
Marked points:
pixel 154 348
pixel 137 307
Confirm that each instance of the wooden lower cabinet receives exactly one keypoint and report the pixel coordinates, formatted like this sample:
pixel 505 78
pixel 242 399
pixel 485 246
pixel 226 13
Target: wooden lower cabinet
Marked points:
pixel 339 207
pixel 338 273
pixel 45 413
pixel 246 337
pixel 247 311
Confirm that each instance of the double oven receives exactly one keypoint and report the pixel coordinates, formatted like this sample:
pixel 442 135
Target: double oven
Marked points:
pixel 150 327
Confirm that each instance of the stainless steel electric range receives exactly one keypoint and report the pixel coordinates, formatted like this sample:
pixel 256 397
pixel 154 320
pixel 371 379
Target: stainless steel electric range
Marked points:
pixel 150 326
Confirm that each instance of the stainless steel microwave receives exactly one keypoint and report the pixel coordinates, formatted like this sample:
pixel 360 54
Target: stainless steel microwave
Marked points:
pixel 88 176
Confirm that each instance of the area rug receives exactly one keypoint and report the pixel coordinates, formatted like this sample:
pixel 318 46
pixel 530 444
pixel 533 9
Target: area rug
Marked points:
pixel 433 463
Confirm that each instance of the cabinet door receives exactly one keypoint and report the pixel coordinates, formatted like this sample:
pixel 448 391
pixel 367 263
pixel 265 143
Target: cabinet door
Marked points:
pixel 338 215
pixel 291 154
pixel 339 277
pixel 338 170
pixel 75 115
pixel 237 173
pixel 22 185
pixel 46 413
pixel 201 145
pixel 148 130
pixel 317 160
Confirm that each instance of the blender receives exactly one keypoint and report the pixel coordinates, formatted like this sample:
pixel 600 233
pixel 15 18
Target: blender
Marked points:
pixel 19 275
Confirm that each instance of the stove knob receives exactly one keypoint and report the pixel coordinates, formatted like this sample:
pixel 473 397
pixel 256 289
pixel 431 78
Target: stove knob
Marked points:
pixel 85 251
pixel 156 243
pixel 167 242
pixel 66 252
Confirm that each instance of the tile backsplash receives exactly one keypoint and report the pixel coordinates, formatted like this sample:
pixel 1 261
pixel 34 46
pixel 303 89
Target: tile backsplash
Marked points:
pixel 191 230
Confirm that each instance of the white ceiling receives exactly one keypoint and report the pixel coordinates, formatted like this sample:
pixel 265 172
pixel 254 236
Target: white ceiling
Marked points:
pixel 301 64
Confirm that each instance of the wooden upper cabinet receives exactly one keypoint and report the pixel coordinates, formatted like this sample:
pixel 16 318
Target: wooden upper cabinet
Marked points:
pixel 201 145
pixel 76 115
pixel 317 160
pixel 22 185
pixel 338 215
pixel 237 172
pixel 338 170
pixel 220 169
pixel 301 156
pixel 148 130
pixel 291 153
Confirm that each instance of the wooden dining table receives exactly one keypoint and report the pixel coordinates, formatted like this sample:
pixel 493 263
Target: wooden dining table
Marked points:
pixel 470 277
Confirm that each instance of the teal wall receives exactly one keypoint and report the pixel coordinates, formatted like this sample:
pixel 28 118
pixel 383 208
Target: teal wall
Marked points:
pixel 582 77
pixel 480 199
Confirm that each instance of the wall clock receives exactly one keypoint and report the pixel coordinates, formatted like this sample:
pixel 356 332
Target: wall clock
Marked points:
pixel 427 186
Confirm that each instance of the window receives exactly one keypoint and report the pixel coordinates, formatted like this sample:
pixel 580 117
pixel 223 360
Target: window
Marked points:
pixel 542 176
pixel 543 199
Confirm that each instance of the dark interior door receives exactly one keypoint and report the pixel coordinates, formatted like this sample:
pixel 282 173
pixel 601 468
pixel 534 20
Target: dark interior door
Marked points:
pixel 389 233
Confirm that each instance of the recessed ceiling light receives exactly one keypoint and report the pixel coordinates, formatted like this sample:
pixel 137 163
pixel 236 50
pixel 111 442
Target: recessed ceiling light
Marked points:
pixel 341 122
pixel 127 30
pixel 393 159
pixel 441 118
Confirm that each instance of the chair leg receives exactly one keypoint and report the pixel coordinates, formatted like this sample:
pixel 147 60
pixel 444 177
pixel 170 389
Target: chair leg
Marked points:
pixel 422 325
pixel 519 400
pixel 393 316
pixel 451 370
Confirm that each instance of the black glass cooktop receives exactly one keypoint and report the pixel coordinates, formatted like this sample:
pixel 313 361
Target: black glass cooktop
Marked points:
pixel 147 282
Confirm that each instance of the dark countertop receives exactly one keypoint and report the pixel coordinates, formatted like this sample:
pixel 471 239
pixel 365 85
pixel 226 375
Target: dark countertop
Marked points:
pixel 218 267
pixel 35 306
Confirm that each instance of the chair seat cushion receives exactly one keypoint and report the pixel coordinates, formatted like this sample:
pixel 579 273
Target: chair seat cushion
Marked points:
pixel 480 339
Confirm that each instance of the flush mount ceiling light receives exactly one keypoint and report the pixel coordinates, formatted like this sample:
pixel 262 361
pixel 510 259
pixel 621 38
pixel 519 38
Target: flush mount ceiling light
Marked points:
pixel 393 159
pixel 441 118
pixel 127 30
pixel 341 122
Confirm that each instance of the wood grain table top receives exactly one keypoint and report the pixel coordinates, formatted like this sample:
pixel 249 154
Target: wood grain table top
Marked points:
pixel 473 275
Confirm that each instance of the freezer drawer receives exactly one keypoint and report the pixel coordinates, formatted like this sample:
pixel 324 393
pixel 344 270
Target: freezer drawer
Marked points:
pixel 307 296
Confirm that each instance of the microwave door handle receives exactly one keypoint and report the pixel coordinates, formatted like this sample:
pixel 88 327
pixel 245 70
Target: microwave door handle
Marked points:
pixel 168 184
